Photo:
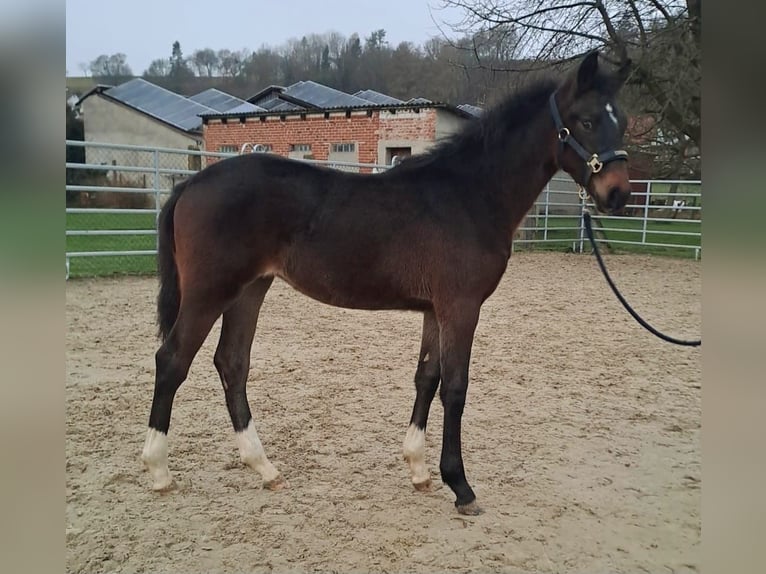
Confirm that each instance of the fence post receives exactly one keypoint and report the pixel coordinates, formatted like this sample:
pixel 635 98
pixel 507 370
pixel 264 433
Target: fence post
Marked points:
pixel 547 203
pixel 156 154
pixel 582 222
pixel 646 211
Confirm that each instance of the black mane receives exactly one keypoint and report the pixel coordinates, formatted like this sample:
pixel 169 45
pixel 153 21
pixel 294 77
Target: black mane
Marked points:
pixel 503 123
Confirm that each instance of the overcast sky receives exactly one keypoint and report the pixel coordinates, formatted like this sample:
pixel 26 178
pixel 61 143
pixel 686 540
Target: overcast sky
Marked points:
pixel 145 29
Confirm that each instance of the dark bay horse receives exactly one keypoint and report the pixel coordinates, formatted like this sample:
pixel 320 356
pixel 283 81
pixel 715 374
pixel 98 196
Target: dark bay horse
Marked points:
pixel 432 235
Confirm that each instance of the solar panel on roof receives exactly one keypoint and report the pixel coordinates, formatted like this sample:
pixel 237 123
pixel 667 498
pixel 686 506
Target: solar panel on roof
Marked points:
pixel 245 107
pixel 377 97
pixel 323 96
pixel 218 100
pixel 160 103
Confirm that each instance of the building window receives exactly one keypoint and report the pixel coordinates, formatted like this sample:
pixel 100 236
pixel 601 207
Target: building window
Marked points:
pixel 300 147
pixel 348 147
pixel 228 149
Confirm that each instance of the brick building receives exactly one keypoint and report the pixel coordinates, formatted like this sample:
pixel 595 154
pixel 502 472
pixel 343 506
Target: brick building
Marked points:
pixel 309 120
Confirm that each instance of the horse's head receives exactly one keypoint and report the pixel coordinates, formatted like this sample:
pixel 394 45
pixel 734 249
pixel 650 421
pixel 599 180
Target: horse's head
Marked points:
pixel 590 131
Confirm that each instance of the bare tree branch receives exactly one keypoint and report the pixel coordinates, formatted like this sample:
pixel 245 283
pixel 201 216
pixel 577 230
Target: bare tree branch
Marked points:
pixel 639 21
pixel 661 37
pixel 662 10
pixel 613 35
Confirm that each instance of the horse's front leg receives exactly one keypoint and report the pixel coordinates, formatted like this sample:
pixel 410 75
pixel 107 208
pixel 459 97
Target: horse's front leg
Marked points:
pixel 457 325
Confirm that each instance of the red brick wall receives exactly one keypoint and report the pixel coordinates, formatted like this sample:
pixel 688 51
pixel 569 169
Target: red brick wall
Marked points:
pixel 365 130
pixel 408 125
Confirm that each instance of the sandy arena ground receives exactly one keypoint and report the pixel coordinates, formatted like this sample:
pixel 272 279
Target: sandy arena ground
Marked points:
pixel 581 434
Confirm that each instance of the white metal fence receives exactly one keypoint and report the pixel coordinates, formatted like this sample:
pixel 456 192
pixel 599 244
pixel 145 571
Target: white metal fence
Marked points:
pixel 663 216
pixel 114 199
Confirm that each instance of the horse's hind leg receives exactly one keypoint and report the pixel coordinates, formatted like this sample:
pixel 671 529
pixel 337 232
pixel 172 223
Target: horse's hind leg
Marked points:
pixel 232 360
pixel 173 360
pixel 426 382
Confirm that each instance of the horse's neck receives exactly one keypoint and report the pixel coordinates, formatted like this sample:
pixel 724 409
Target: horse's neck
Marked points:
pixel 530 166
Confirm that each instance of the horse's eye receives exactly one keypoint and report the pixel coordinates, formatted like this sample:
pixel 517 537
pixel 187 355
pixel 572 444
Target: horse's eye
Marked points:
pixel 587 124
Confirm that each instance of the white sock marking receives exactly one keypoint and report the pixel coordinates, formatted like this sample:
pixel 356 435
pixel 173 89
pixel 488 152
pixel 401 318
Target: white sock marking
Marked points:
pixel 252 454
pixel 610 111
pixel 414 454
pixel 155 457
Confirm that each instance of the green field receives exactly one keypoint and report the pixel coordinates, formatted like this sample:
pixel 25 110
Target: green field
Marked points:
pixel 111 265
pixel 80 84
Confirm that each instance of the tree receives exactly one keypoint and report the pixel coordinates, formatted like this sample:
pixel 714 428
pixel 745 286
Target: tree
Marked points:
pixel 111 69
pixel 179 69
pixel 661 37
pixel 205 62
pixel 158 68
pixel 349 64
pixel 74 154
pixel 376 40
pixel 262 68
pixel 232 64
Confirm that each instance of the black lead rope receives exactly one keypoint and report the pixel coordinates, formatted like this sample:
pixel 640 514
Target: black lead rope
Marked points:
pixel 647 326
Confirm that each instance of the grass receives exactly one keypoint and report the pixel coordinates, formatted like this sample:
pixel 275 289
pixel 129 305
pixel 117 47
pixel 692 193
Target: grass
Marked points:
pixel 80 84
pixel 111 265
pixel 611 231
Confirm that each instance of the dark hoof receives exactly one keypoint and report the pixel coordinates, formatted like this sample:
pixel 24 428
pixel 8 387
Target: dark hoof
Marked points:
pixel 425 486
pixel 470 509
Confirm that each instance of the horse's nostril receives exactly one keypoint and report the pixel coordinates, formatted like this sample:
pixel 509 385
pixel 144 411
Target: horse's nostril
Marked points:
pixel 613 199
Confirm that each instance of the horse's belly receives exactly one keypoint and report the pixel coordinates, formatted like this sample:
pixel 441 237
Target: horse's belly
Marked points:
pixel 353 287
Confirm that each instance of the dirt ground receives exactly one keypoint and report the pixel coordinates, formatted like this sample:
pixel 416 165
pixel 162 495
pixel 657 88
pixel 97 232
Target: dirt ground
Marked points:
pixel 581 434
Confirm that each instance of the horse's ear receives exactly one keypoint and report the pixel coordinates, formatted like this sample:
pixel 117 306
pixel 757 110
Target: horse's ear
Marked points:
pixel 586 73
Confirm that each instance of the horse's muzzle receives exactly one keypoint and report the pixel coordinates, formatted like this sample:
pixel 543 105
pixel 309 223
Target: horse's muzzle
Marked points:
pixel 616 198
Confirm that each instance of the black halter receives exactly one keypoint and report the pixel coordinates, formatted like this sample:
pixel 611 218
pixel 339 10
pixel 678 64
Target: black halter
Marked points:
pixel 594 162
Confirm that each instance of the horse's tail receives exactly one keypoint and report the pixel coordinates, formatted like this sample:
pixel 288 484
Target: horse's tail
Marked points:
pixel 169 298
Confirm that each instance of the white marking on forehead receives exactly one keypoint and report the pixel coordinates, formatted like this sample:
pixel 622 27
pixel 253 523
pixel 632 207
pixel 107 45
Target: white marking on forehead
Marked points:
pixel 610 111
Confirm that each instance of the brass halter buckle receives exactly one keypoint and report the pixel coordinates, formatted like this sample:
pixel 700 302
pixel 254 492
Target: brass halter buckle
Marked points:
pixel 595 164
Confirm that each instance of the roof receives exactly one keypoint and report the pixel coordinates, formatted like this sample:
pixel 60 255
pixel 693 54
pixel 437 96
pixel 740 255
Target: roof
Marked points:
pixel 159 103
pixel 310 96
pixel 245 107
pixel 320 96
pixel 188 114
pixel 473 110
pixel 268 90
pixel 377 97
pixel 97 89
pixel 278 104
pixel 367 106
pixel 221 101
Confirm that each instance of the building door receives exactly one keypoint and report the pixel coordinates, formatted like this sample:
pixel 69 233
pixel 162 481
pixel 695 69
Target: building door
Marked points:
pixel 397 154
